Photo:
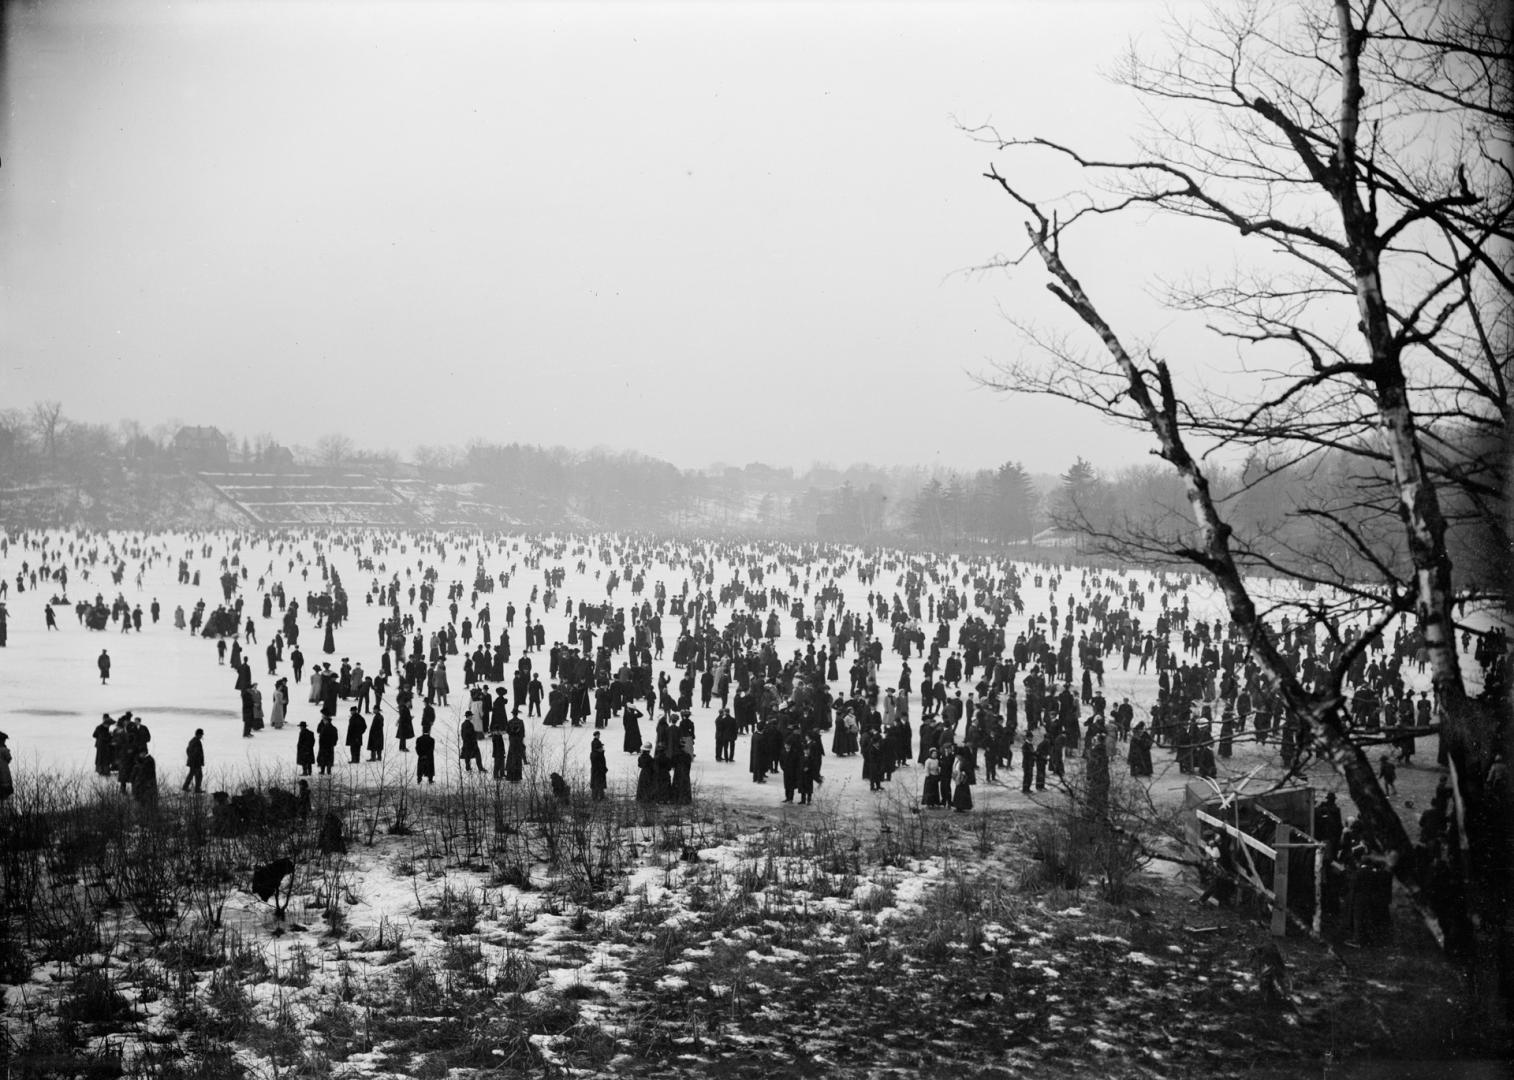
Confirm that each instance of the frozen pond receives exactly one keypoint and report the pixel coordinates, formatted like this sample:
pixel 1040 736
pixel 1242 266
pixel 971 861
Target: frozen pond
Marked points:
pixel 53 696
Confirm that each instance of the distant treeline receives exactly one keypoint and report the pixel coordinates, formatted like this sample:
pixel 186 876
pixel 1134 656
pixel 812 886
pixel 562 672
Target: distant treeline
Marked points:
pixel 1284 511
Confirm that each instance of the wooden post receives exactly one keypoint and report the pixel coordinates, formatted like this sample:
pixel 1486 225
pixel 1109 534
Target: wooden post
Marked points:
pixel 1280 882
pixel 1319 870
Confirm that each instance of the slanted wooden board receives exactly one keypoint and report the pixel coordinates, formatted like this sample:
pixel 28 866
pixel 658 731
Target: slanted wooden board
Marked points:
pixel 1292 812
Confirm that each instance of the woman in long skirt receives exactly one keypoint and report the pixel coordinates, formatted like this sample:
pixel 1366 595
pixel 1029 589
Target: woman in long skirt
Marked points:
pixel 280 705
pixel 962 792
pixel 515 758
pixel 646 779
pixel 931 794
pixel 630 718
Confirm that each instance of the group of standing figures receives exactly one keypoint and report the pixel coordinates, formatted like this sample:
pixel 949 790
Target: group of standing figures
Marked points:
pixel 793 647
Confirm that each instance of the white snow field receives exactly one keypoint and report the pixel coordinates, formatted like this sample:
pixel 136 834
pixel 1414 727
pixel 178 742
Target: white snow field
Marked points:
pixel 51 696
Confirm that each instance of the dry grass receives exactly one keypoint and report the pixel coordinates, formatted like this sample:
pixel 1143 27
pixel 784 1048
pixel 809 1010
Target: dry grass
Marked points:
pixel 573 935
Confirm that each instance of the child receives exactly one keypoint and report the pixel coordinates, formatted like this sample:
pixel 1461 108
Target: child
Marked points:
pixel 1388 773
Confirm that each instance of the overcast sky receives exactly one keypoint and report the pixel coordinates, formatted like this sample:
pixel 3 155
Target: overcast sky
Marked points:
pixel 703 231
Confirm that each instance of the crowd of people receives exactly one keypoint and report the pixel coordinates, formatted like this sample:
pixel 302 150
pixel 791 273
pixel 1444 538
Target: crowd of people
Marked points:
pixel 829 661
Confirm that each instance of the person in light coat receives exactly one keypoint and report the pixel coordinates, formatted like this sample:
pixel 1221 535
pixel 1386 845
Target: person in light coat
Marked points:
pixel 280 710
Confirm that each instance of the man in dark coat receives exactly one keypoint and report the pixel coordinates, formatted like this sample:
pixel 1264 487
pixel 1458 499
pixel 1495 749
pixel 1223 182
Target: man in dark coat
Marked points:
pixel 681 749
pixel 326 740
pixel 104 665
pixel 425 758
pixel 356 725
pixel 194 761
pixel 1123 715
pixel 1203 760
pixel 792 763
pixel 872 760
pixel 404 725
pixel 814 755
pixel 376 736
pixel 1098 776
pixel 1043 758
pixel 521 684
pixel 468 751
pixel 248 712
pixel 328 692
pixel 946 755
pixel 1328 827
pixel 757 755
pixel 599 771
pixel 1139 755
pixel 304 749
pixel 725 735
pixel 104 752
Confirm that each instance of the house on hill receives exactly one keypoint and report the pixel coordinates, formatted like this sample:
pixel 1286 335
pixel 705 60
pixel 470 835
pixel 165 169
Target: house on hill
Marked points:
pixel 201 447
pixel 276 456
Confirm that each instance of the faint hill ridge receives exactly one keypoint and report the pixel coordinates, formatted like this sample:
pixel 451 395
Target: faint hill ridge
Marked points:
pixel 297 498
pixel 293 498
pixel 129 500
pixel 307 497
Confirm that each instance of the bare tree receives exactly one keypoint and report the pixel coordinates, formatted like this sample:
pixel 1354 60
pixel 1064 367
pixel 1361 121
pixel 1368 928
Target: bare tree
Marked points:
pixel 47 420
pixel 1375 312
pixel 437 458
pixel 334 450
pixel 15 427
